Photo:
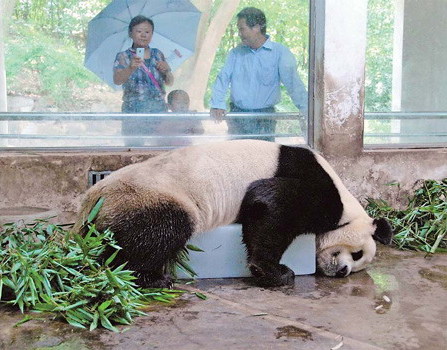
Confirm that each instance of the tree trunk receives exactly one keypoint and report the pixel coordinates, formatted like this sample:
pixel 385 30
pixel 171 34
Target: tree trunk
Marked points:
pixel 193 76
pixel 184 74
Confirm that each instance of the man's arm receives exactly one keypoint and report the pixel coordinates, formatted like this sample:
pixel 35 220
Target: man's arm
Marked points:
pixel 220 88
pixel 289 77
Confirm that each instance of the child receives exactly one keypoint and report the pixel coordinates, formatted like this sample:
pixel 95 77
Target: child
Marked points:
pixel 178 102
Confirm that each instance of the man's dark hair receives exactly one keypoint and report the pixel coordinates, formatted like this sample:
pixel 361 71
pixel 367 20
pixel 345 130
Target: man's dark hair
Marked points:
pixel 138 20
pixel 254 16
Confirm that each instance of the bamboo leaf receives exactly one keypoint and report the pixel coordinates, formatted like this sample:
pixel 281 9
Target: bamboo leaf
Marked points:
pixel 423 223
pixel 106 323
pixel 75 323
pixel 194 248
pixel 8 282
pixel 44 307
pixel 111 258
pixel 23 320
pixel 188 269
pixel 95 210
pixel 104 305
pixel 94 323
pixel 201 296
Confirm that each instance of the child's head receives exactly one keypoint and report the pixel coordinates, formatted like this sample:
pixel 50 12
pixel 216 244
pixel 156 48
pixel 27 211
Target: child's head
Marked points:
pixel 178 101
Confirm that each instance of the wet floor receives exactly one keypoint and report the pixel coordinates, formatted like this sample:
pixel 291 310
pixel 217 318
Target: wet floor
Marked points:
pixel 400 302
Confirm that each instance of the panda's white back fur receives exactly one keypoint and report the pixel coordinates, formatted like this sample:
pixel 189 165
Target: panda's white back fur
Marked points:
pixel 209 181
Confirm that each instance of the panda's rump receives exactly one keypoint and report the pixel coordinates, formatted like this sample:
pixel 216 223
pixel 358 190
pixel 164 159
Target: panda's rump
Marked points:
pixel 151 227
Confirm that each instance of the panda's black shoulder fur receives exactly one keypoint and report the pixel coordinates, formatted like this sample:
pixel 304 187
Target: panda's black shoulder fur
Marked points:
pixel 299 162
pixel 302 194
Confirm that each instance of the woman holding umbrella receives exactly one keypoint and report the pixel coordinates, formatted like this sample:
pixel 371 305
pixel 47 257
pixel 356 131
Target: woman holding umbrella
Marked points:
pixel 143 78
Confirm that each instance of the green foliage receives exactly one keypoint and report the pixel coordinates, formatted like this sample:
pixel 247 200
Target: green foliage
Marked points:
pixel 379 65
pixel 379 56
pixel 66 20
pixel 57 64
pixel 423 224
pixel 45 269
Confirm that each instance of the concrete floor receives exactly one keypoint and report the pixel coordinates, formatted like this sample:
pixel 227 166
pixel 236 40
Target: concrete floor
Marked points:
pixel 400 302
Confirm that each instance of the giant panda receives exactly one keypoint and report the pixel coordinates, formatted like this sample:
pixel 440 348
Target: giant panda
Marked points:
pixel 155 206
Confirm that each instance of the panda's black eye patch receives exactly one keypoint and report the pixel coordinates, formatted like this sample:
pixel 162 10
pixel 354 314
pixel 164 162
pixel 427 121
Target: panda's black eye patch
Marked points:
pixel 335 254
pixel 357 255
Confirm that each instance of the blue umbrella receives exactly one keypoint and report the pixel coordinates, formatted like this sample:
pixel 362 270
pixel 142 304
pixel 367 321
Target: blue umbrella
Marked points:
pixel 175 21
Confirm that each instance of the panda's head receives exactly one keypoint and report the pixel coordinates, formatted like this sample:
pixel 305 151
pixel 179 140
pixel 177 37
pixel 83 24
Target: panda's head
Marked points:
pixel 351 247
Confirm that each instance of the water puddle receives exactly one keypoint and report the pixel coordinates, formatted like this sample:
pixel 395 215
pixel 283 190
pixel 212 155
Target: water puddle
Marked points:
pixel 293 332
pixel 437 274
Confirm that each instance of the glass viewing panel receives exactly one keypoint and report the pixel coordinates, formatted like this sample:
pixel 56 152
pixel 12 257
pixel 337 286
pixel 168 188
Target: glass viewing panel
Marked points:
pixel 54 101
pixel 104 130
pixel 405 89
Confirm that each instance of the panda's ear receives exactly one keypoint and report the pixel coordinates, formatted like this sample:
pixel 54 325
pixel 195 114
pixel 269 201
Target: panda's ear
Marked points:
pixel 383 232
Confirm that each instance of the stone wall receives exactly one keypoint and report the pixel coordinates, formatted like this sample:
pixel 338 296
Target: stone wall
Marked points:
pixel 56 182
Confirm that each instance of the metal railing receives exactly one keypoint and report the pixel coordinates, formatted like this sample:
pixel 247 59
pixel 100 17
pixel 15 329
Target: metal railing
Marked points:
pixel 8 116
pixel 54 131
pixel 405 115
pixel 73 131
pixel 406 130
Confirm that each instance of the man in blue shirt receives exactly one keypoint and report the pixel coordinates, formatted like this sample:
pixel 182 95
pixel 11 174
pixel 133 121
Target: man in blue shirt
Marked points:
pixel 254 70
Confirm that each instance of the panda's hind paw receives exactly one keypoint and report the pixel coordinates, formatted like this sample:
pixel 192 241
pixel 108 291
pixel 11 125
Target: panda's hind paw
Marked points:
pixel 166 282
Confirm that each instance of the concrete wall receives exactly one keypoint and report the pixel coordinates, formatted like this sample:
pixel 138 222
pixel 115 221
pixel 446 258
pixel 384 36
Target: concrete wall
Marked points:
pixel 57 181
pixel 54 181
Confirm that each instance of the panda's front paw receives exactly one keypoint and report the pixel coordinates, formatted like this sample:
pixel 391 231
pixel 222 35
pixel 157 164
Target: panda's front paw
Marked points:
pixel 272 276
pixel 287 275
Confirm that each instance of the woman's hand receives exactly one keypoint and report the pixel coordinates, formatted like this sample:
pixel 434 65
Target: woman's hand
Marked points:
pixel 163 67
pixel 135 62
pixel 120 76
